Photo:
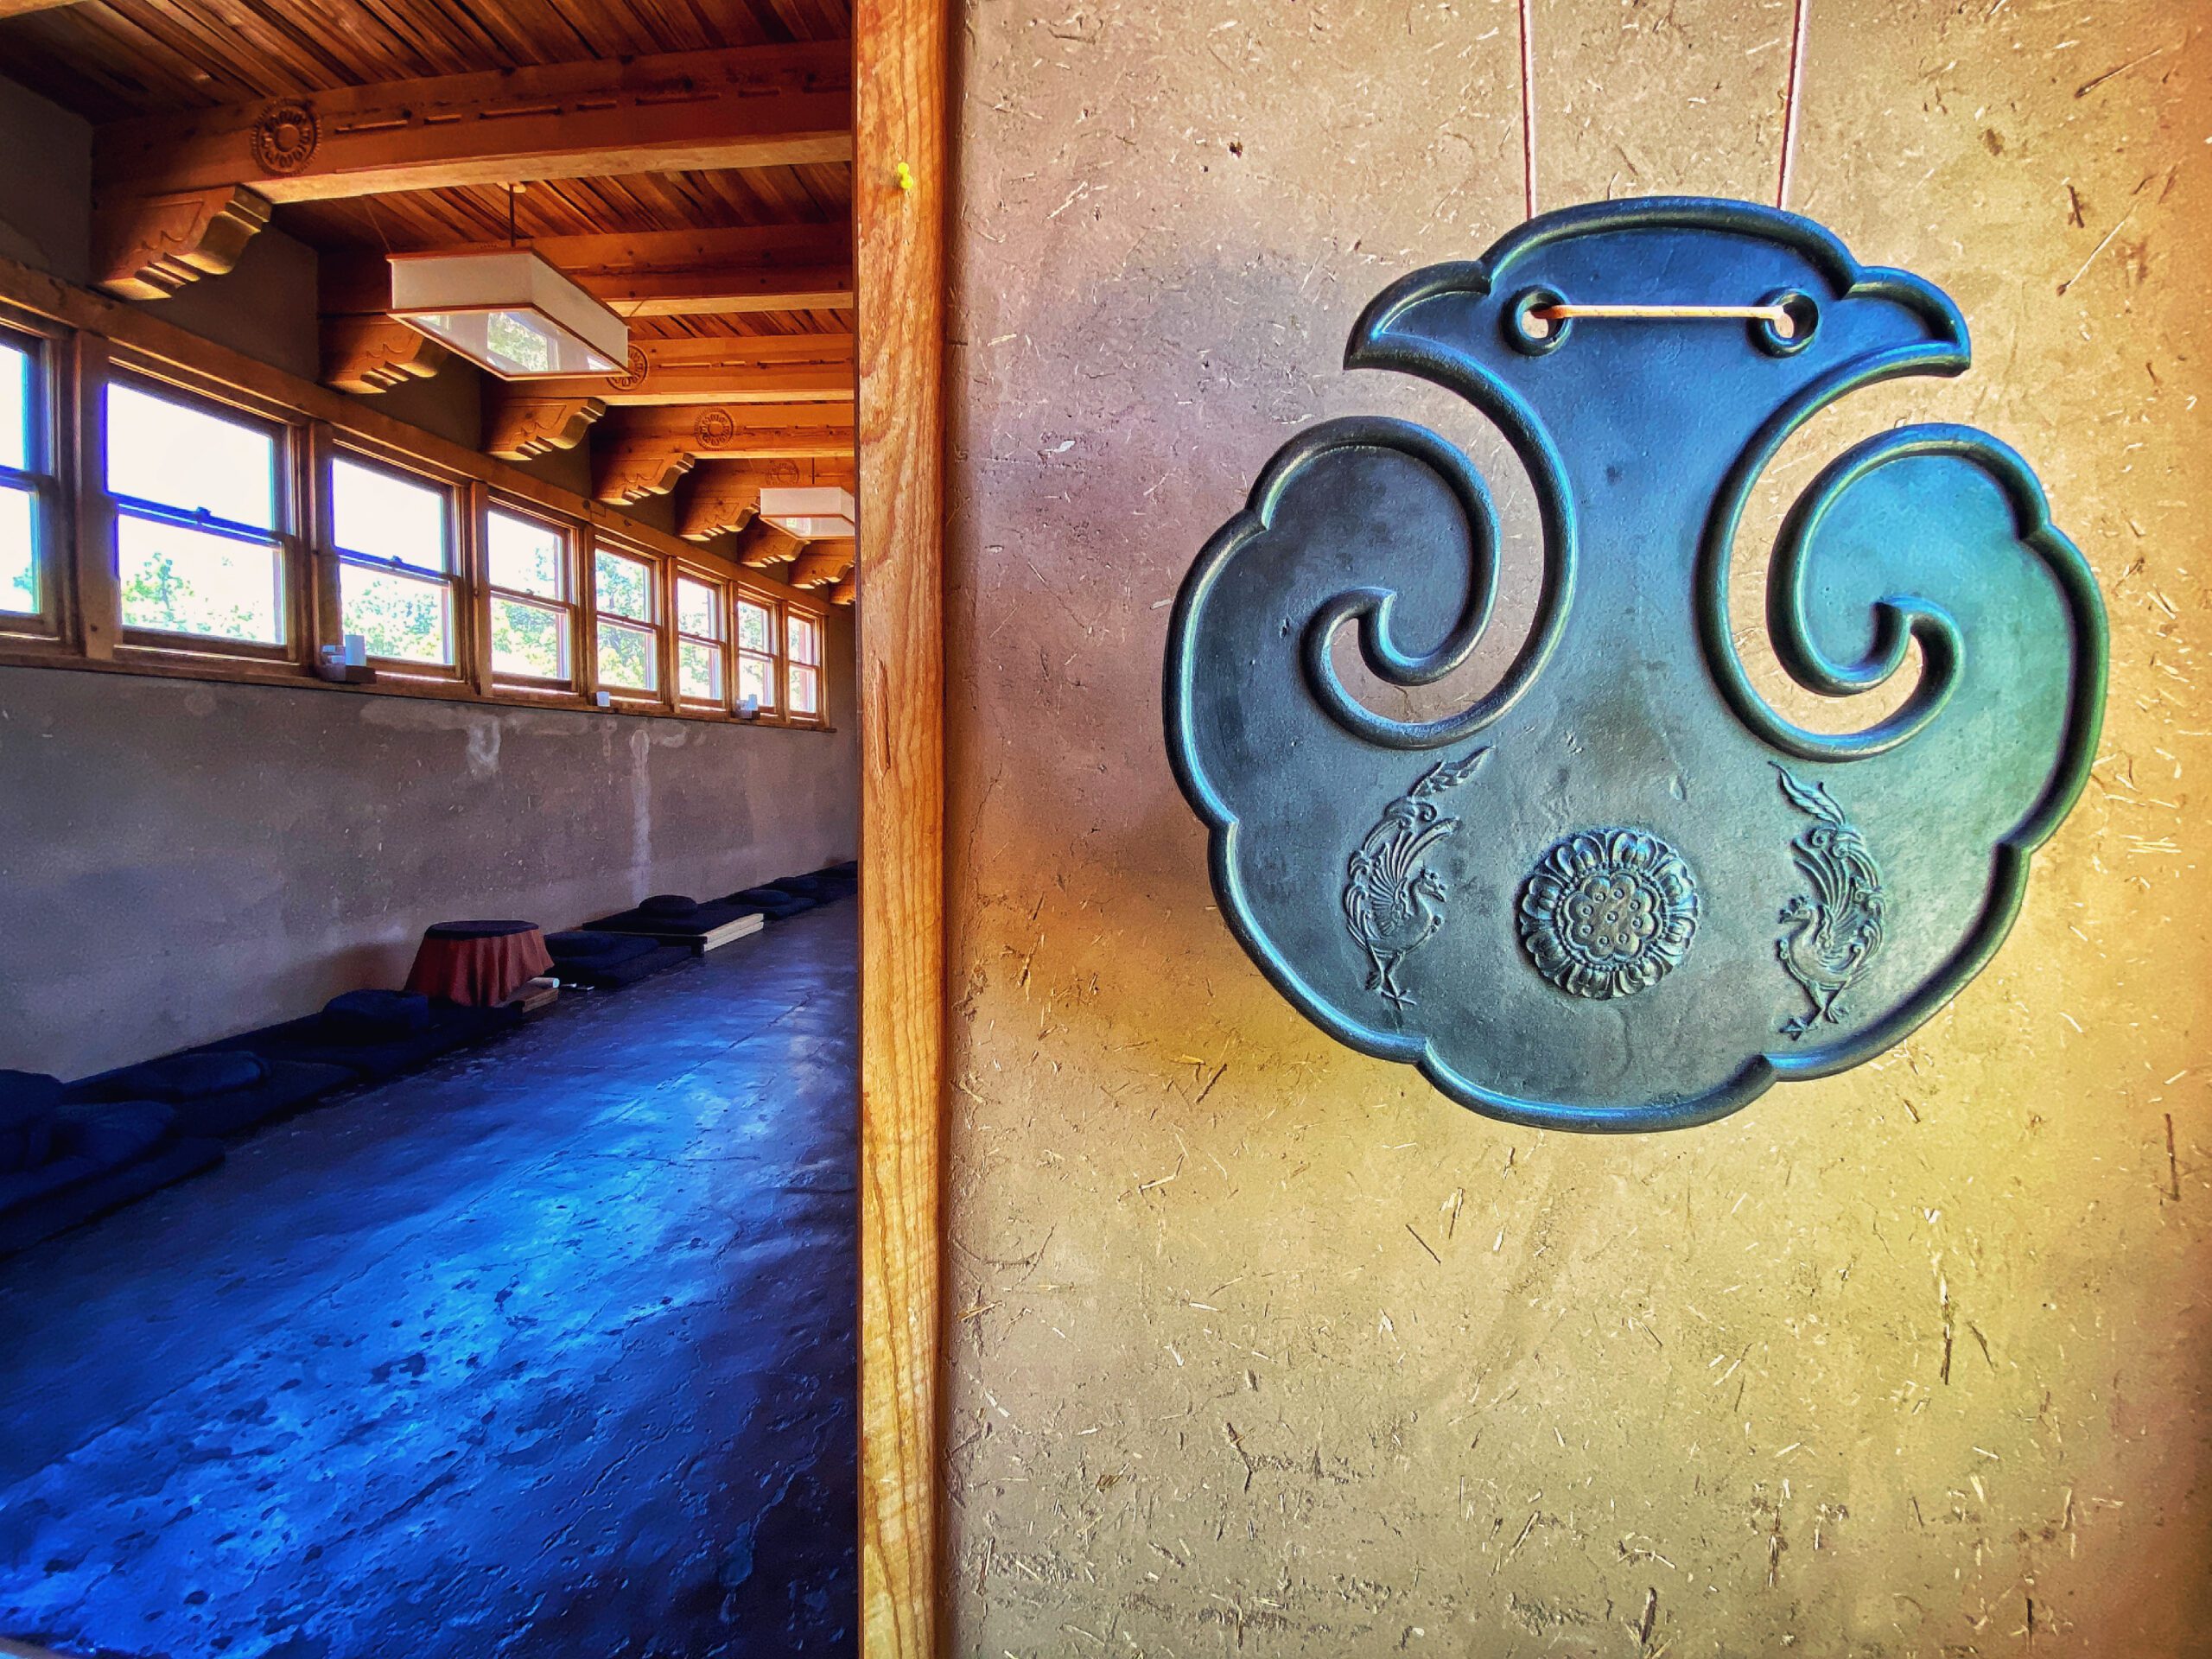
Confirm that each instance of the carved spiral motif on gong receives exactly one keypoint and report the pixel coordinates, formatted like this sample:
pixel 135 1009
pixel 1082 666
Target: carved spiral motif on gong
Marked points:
pixel 284 137
pixel 634 377
pixel 1608 913
pixel 715 428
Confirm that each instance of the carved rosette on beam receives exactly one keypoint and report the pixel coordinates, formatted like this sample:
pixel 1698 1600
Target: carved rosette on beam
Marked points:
pixel 1661 894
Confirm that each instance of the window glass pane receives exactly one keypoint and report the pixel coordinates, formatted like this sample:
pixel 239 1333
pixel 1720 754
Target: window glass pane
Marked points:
pixel 805 641
pixel 189 457
pixel 183 581
pixel 698 608
pixel 627 656
pixel 528 556
pixel 381 515
pixel 804 699
pixel 625 587
pixel 529 639
pixel 18 556
pixel 756 678
pixel 403 616
pixel 14 408
pixel 755 631
pixel 699 671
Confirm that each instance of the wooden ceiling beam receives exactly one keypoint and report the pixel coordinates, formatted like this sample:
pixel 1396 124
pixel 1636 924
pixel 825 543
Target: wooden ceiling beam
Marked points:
pixel 681 111
pixel 656 273
pixel 648 384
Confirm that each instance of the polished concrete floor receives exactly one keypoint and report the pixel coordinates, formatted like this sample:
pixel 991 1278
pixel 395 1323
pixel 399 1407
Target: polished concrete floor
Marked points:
pixel 546 1350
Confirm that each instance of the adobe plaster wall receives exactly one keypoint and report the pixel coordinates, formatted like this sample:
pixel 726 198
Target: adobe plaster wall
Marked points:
pixel 183 860
pixel 1258 1345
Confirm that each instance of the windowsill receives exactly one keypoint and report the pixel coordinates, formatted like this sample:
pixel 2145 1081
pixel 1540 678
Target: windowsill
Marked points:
pixel 18 651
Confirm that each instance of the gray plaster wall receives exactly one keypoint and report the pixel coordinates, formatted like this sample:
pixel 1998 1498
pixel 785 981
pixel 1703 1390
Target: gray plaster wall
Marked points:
pixel 183 860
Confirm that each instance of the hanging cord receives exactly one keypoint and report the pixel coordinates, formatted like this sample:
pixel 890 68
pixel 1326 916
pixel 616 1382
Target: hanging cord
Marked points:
pixel 1527 108
pixel 1778 316
pixel 1790 104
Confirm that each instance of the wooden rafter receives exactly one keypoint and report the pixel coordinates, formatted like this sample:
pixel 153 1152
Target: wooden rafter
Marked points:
pixel 519 422
pixel 659 273
pixel 370 354
pixel 792 368
pixel 740 107
pixel 644 451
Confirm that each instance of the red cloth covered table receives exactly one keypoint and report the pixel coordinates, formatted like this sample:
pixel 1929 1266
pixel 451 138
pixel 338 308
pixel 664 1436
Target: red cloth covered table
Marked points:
pixel 478 964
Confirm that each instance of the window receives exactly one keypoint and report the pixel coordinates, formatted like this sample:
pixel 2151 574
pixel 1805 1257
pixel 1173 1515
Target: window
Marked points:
pixel 20 463
pixel 533 618
pixel 700 651
pixel 395 562
pixel 756 654
pixel 803 643
pixel 197 545
pixel 629 643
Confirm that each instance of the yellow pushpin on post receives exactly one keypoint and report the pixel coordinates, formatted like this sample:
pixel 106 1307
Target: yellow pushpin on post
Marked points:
pixel 903 176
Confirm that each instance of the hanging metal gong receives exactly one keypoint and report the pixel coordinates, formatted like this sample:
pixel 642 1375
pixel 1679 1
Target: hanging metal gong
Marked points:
pixel 1621 890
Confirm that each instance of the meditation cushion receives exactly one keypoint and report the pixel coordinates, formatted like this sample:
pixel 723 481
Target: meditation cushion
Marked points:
pixel 29 1101
pixel 778 904
pixel 113 1133
pixel 192 1076
pixel 584 948
pixel 377 1016
pixel 668 904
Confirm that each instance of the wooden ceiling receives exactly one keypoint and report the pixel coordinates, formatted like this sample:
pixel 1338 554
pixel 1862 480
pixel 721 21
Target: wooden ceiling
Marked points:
pixel 688 161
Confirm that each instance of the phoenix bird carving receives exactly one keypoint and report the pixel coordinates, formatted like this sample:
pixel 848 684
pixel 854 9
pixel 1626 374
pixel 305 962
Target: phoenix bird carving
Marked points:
pixel 1836 929
pixel 1627 926
pixel 1393 900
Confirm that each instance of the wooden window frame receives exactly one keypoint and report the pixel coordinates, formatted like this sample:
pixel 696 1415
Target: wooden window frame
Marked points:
pixel 87 336
pixel 105 544
pixel 40 479
pixel 463 602
pixel 491 592
pixel 747 593
pixel 794 611
pixel 725 604
pixel 662 693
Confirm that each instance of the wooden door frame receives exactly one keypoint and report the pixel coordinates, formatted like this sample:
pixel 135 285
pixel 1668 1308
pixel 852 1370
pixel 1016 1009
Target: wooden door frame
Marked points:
pixel 901 190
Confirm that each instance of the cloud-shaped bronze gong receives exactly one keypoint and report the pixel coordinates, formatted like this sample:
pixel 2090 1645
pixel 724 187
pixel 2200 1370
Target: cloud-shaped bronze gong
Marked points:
pixel 1621 890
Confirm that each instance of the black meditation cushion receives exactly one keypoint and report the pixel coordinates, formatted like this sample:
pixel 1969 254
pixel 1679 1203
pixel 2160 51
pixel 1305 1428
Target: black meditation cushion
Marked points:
pixel 104 1156
pixel 582 946
pixel 668 904
pixel 375 1016
pixel 192 1076
pixel 29 1101
pixel 476 929
pixel 778 903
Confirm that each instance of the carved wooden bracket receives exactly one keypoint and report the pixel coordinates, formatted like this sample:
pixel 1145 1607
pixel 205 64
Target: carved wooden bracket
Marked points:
pixel 370 354
pixel 629 471
pixel 842 591
pixel 822 564
pixel 726 495
pixel 764 544
pixel 150 246
pixel 518 426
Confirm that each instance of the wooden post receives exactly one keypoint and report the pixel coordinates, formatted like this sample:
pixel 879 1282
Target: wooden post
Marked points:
pixel 96 602
pixel 900 189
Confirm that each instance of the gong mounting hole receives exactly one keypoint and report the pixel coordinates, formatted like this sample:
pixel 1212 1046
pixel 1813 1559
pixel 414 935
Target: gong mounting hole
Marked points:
pixel 1533 324
pixel 1794 320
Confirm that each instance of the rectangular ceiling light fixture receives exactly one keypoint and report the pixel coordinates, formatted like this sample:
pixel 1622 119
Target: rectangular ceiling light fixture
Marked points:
pixel 509 312
pixel 813 513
